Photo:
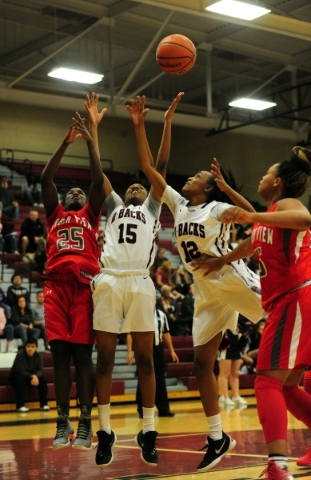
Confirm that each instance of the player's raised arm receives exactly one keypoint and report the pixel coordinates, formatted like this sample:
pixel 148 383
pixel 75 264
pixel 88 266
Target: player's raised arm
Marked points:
pixel 96 195
pixel 138 113
pixel 49 190
pixel 165 146
pixel 95 117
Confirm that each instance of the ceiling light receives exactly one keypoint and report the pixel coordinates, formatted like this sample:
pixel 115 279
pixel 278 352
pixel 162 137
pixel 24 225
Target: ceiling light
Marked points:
pixel 76 75
pixel 252 104
pixel 236 9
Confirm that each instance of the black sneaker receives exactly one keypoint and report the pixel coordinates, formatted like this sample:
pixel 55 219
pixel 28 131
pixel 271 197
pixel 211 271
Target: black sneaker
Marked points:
pixel 146 441
pixel 104 455
pixel 83 440
pixel 216 449
pixel 64 431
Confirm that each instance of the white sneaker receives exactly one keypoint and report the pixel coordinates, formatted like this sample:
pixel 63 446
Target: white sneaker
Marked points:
pixel 221 399
pixel 22 409
pixel 239 400
pixel 12 349
pixel 228 402
pixel 45 408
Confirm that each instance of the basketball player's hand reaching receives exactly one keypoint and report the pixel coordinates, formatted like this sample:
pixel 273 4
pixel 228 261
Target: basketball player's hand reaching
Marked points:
pixel 219 179
pixel 171 109
pixel 207 263
pixel 91 106
pixel 137 110
pixel 77 130
pixel 237 215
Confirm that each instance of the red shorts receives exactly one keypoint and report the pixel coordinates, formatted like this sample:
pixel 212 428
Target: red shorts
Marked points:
pixel 68 310
pixel 286 338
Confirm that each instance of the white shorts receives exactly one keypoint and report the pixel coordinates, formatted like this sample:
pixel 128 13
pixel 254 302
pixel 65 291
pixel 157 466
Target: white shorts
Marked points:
pixel 123 304
pixel 220 297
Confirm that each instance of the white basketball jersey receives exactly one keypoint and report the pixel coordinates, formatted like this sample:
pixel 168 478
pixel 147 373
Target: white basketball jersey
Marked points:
pixel 130 234
pixel 197 229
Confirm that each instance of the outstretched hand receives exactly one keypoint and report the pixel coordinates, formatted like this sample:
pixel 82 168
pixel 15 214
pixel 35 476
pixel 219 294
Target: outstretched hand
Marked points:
pixel 237 215
pixel 137 110
pixel 219 179
pixel 77 130
pixel 171 109
pixel 91 106
pixel 207 263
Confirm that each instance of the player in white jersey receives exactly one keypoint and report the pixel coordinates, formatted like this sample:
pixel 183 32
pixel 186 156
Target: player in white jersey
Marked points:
pixel 218 298
pixel 124 297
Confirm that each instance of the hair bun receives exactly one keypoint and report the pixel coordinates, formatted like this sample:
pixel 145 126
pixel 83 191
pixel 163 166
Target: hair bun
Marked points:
pixel 302 157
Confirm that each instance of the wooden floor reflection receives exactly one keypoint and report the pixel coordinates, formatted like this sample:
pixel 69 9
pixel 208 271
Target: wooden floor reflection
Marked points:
pixel 26 453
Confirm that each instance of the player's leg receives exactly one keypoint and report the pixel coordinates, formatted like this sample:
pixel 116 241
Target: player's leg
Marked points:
pixel 143 347
pixel 61 354
pixel 85 380
pixel 235 382
pixel 218 443
pixel 106 348
pixel 223 380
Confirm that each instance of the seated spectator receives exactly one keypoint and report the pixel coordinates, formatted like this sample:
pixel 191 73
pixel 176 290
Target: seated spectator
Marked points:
pixel 31 230
pixel 16 290
pixel 163 275
pixel 4 303
pixel 7 331
pixel 181 278
pixel 27 369
pixel 38 318
pixel 8 204
pixel 100 239
pixel 251 347
pixel 32 191
pixel 168 305
pixel 22 320
pixel 158 260
pixel 39 263
pixel 187 308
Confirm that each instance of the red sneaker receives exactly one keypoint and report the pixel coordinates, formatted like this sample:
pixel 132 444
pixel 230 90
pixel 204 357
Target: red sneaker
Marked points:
pixel 305 461
pixel 274 472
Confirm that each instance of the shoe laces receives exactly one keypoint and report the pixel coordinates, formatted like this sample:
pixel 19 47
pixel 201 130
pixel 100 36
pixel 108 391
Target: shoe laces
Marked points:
pixel 270 469
pixel 84 428
pixel 62 428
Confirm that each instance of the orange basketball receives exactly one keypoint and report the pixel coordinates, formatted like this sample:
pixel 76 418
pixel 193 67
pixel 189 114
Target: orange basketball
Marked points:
pixel 176 54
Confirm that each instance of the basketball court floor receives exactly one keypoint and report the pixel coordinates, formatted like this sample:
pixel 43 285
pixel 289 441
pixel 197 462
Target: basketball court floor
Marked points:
pixel 26 453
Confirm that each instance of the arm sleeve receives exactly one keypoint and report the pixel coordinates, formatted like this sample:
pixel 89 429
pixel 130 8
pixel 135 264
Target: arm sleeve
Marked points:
pixel 153 206
pixel 219 209
pixel 173 199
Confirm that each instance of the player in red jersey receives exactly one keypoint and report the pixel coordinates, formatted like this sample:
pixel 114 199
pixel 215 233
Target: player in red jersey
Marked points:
pixel 72 262
pixel 281 240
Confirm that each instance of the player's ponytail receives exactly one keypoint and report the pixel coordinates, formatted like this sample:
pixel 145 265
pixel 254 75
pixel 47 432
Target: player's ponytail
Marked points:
pixel 295 172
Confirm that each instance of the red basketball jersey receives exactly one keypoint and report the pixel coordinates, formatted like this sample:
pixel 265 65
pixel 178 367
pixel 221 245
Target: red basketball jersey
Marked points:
pixel 284 259
pixel 72 243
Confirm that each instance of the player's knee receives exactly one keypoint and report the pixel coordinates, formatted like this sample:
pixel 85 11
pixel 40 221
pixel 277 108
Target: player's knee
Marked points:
pixel 144 364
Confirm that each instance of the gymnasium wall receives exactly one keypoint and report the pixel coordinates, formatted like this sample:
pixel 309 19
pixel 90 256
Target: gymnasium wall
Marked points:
pixel 39 129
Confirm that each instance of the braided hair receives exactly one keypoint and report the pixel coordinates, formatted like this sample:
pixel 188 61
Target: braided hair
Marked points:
pixel 295 172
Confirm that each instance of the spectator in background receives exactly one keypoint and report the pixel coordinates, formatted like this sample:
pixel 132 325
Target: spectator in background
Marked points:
pixel 32 229
pixel 168 305
pixel 39 319
pixel 16 290
pixel 158 260
pixel 4 303
pixel 8 204
pixel 163 275
pixel 22 320
pixel 40 255
pixel 7 331
pixel 181 278
pixel 230 361
pixel 161 332
pixel 187 309
pixel 100 239
pixel 27 369
pixel 33 191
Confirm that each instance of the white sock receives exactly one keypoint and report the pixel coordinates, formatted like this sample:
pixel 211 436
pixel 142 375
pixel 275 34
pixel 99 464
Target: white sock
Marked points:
pixel 280 460
pixel 104 417
pixel 148 419
pixel 214 427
